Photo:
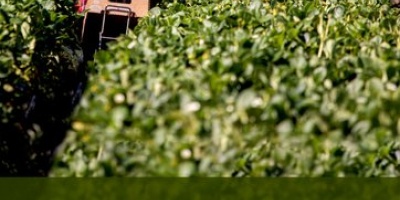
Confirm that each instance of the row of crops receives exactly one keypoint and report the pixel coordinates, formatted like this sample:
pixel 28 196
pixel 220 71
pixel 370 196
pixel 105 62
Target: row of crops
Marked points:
pixel 244 88
pixel 40 69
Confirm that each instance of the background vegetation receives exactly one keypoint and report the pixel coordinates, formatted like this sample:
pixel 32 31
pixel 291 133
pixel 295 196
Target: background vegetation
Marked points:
pixel 40 72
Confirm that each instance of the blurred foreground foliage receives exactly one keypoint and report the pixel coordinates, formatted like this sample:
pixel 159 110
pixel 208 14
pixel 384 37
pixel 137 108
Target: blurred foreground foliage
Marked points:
pixel 244 88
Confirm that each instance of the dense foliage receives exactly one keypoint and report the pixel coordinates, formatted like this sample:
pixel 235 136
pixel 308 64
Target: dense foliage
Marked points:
pixel 245 88
pixel 39 74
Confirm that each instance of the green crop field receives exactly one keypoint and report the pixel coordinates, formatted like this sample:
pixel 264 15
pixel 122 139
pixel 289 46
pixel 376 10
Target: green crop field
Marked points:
pixel 244 88
pixel 218 88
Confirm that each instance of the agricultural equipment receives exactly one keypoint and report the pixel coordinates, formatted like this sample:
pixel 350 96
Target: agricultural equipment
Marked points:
pixel 105 20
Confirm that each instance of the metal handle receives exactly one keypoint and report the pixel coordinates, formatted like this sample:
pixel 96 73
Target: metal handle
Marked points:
pixel 109 8
pixel 118 9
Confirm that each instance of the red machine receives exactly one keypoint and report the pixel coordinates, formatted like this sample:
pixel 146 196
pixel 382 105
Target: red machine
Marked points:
pixel 105 20
pixel 80 6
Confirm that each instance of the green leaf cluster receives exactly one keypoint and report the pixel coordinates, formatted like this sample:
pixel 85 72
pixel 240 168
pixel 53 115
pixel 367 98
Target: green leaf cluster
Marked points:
pixel 34 35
